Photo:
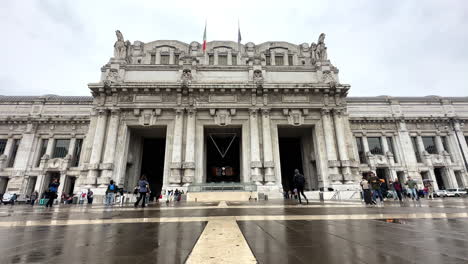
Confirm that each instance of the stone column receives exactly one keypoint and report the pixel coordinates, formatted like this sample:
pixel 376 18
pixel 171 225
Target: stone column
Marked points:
pixel 340 140
pixel 268 162
pixel 72 145
pixel 171 56
pixel 385 148
pixel 215 60
pixel 422 150
pixel 452 179
pixel 333 173
pixel 229 58
pixel 5 157
pixel 98 143
pixel 255 163
pixel 285 59
pixel 158 57
pixel 109 153
pixel 50 146
pixel 189 164
pixel 272 58
pixel 439 145
pixel 176 161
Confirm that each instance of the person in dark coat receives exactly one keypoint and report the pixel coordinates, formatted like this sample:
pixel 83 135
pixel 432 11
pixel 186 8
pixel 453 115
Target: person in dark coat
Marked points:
pixel 143 188
pixel 52 192
pixel 299 183
pixel 398 188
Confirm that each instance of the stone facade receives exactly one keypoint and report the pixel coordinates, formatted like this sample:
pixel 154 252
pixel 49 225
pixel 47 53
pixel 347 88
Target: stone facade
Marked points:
pixel 179 93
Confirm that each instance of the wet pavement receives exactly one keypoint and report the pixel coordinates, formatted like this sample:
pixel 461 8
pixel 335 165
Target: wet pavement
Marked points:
pixel 266 231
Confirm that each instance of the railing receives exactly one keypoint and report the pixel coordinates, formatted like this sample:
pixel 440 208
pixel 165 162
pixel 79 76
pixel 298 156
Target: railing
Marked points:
pixel 222 187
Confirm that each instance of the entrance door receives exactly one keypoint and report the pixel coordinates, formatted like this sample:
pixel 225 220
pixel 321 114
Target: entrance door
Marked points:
pixel 223 154
pixel 291 159
pixel 296 151
pixel 153 163
pixel 439 175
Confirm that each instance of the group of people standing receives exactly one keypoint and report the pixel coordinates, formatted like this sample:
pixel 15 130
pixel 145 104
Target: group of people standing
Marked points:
pixel 373 189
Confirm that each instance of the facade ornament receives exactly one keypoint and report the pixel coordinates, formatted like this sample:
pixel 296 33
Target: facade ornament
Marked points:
pixel 313 52
pixel 223 117
pixel 120 47
pixel 194 47
pixel 321 50
pixel 258 78
pixel 186 78
pixel 327 77
pixel 112 77
pixel 295 117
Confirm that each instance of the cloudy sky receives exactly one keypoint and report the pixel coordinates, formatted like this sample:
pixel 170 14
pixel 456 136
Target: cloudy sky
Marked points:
pixel 398 48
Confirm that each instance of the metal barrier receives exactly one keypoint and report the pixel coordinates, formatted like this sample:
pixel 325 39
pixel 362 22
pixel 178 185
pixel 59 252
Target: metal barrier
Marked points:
pixel 222 187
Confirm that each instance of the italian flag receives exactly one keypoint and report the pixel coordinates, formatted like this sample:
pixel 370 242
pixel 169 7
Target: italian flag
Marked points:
pixel 204 39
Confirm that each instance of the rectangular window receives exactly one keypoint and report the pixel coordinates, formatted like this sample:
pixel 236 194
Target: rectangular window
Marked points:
pixel 279 60
pixel 176 59
pixel 77 152
pixel 61 148
pixel 3 143
pixel 466 139
pixel 164 59
pixel 416 149
pixel 429 145
pixel 267 59
pixel 290 60
pixel 222 59
pixel 153 59
pixel 14 150
pixel 361 152
pixel 375 145
pixel 211 60
pixel 42 150
pixel 234 60
pixel 391 148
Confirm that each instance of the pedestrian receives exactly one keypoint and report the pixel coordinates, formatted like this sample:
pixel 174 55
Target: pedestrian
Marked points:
pixel 366 192
pixel 143 188
pixel 430 190
pixel 110 193
pixel 391 190
pixel 34 197
pixel 13 199
pixel 90 196
pixel 52 192
pixel 412 188
pixel 375 184
pixel 299 182
pixel 83 195
pixel 398 188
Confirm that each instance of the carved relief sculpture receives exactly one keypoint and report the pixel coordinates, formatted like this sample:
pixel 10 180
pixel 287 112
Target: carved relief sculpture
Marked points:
pixel 321 48
pixel 258 77
pixel 186 78
pixel 120 47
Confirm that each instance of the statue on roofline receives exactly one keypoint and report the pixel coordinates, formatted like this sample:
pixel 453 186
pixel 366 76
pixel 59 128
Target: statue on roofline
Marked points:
pixel 120 48
pixel 321 49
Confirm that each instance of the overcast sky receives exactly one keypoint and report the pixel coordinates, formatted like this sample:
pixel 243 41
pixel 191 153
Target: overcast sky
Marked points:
pixel 398 48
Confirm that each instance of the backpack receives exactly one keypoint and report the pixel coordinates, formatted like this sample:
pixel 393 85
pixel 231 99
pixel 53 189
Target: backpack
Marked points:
pixel 112 187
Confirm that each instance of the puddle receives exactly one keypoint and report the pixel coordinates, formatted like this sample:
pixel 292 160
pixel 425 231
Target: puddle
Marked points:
pixel 394 221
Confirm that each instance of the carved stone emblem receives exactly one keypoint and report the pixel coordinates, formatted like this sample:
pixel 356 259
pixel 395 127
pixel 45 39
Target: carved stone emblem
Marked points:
pixel 258 77
pixel 327 77
pixel 223 117
pixel 112 77
pixel 295 117
pixel 186 78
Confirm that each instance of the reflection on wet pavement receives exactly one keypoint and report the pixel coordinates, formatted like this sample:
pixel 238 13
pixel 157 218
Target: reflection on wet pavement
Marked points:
pixel 270 232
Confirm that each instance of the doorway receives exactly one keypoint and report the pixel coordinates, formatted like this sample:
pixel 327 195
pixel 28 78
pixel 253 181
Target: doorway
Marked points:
pixel 223 154
pixel 69 185
pixel 439 175
pixel 153 164
pixel 290 159
pixel 3 184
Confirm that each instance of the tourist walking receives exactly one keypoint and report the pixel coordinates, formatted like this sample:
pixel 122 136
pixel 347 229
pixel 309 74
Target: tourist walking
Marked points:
pixel 398 189
pixel 110 193
pixel 90 196
pixel 366 192
pixel 412 188
pixel 299 183
pixel 52 192
pixel 430 189
pixel 375 184
pixel 143 188
pixel 391 190
pixel 33 198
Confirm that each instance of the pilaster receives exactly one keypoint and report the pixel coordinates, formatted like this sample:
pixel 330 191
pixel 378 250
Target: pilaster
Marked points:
pixel 98 144
pixel 109 153
pixel 189 163
pixel 268 162
pixel 333 173
pixel 255 163
pixel 176 161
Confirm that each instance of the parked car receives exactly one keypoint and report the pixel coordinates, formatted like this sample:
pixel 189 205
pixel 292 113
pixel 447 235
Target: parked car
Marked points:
pixel 456 192
pixel 440 193
pixel 7 198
